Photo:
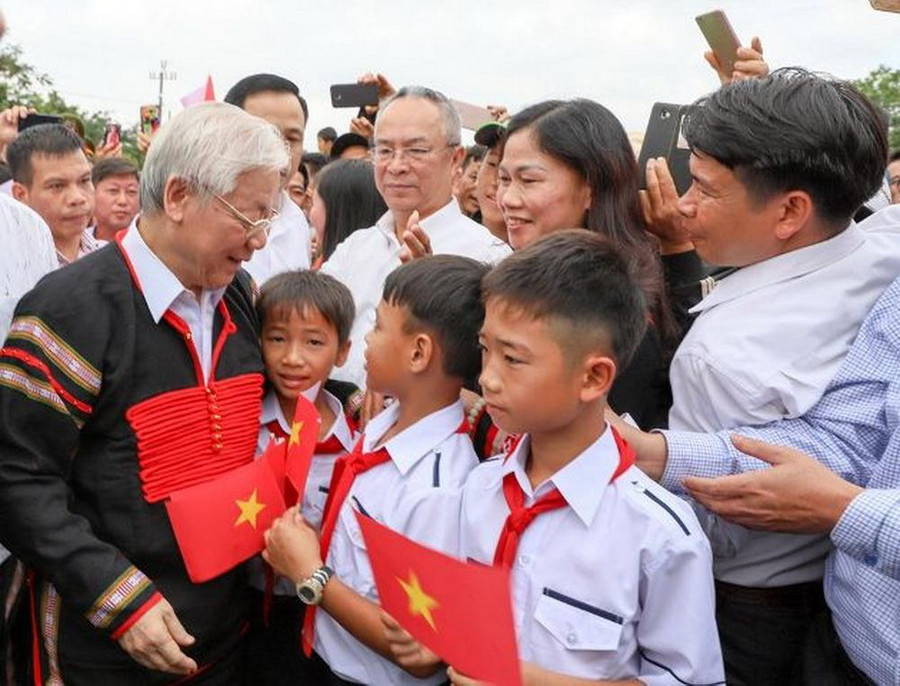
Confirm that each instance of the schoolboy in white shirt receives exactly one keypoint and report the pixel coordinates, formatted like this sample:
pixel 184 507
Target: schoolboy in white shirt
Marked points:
pixel 611 575
pixel 421 352
pixel 305 322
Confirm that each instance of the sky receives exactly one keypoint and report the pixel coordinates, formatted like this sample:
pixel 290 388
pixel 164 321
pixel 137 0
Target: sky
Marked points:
pixel 626 54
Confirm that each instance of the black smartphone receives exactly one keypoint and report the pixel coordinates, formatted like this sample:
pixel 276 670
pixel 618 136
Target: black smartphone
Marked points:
pixel 34 119
pixel 354 94
pixel 721 37
pixel 663 139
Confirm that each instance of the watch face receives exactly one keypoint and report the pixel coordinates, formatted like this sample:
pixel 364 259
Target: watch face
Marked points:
pixel 307 594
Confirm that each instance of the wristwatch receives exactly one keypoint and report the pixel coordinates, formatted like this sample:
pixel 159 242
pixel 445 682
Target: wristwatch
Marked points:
pixel 310 589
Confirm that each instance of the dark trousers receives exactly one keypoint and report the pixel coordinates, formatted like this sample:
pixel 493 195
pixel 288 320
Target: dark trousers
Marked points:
pixel 824 661
pixel 274 654
pixel 763 630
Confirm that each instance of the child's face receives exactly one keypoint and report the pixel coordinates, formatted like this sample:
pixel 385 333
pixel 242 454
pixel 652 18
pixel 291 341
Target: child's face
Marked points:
pixel 526 380
pixel 299 351
pixel 388 345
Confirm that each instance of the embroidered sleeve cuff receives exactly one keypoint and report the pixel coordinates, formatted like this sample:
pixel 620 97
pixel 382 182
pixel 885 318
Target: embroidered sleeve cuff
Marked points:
pixel 869 529
pixel 695 454
pixel 123 602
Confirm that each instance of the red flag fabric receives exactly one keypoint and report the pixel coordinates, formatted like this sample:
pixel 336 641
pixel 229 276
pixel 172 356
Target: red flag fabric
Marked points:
pixel 300 448
pixel 220 523
pixel 205 93
pixel 462 612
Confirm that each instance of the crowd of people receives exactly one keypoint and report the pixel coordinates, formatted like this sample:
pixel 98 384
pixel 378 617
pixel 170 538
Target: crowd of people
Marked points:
pixel 672 419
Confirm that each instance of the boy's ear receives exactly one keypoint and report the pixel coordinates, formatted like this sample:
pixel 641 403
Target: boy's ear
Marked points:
pixel 422 352
pixel 599 372
pixel 342 352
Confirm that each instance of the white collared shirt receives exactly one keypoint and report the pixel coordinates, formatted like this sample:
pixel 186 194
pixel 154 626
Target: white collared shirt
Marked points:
pixel 316 491
pixel 616 584
pixel 163 291
pixel 767 341
pixel 428 460
pixel 287 247
pixel 366 257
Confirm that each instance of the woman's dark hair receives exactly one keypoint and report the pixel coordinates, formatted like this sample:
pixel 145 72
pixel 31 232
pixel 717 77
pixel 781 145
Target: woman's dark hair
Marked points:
pixel 347 187
pixel 588 138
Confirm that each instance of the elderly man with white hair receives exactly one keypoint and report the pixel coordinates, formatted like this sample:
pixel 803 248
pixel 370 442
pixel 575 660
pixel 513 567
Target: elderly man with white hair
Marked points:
pixel 131 374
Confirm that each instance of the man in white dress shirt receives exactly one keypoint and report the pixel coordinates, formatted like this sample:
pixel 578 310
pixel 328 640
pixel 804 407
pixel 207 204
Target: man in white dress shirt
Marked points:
pixel 779 167
pixel 278 101
pixel 416 150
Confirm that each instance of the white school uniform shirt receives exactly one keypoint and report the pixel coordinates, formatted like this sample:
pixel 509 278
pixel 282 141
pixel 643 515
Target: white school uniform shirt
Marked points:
pixel 427 458
pixel 616 584
pixel 163 291
pixel 365 258
pixel 767 341
pixel 287 247
pixel 316 491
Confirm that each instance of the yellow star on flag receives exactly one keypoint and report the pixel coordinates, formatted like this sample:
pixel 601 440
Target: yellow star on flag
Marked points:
pixel 296 428
pixel 250 509
pixel 420 603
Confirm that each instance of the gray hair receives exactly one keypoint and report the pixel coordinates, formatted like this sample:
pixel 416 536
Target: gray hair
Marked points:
pixel 210 145
pixel 449 116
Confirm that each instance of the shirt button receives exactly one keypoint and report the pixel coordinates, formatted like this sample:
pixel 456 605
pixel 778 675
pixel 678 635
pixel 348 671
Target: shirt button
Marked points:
pixel 870 560
pixel 572 638
pixel 524 560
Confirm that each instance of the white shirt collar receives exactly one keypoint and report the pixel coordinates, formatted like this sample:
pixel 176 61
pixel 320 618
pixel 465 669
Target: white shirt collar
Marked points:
pixel 340 429
pixel 582 482
pixel 159 286
pixel 416 441
pixel 783 267
pixel 271 412
pixel 434 223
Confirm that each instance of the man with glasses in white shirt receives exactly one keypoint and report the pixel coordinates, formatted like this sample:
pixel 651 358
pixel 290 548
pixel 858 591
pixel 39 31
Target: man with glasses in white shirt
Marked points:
pixel 416 150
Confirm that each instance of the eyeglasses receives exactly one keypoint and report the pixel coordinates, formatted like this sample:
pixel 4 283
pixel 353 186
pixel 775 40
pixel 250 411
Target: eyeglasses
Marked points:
pixel 252 228
pixel 382 154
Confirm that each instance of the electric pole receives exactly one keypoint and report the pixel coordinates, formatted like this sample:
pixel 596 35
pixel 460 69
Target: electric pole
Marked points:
pixel 163 76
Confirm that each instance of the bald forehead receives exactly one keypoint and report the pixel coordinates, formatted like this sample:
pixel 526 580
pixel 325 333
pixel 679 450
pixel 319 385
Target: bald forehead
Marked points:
pixel 408 118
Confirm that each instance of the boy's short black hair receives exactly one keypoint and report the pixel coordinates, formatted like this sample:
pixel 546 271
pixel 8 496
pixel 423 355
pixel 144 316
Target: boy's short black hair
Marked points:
pixel 52 140
pixel 577 279
pixel 443 295
pixel 299 291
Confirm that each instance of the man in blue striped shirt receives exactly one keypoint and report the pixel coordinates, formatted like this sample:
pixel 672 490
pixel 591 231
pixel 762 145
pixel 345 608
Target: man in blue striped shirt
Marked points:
pixel 854 430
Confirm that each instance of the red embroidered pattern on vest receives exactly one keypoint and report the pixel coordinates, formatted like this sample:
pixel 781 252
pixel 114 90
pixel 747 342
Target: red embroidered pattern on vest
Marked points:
pixel 192 435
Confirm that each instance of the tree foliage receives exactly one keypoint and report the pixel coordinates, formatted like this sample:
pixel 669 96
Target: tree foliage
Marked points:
pixel 22 84
pixel 882 86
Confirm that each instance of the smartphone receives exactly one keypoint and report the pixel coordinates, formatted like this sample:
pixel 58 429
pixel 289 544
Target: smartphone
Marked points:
pixel 149 119
pixel 113 135
pixel 721 37
pixel 354 94
pixel 471 116
pixel 35 119
pixel 663 139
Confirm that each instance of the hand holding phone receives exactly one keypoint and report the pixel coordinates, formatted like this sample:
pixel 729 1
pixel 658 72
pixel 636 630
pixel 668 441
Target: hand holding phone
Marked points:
pixel 721 38
pixel 354 94
pixel 112 137
pixel 149 119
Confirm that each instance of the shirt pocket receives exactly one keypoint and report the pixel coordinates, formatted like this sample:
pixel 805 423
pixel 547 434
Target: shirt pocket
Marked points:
pixel 353 561
pixel 577 625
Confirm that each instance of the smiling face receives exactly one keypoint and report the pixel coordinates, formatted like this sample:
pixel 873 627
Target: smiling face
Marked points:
pixel 209 243
pixel 61 192
pixel 538 194
pixel 299 351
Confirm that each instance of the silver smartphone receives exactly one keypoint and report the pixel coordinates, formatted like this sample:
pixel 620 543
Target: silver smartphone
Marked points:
pixel 721 37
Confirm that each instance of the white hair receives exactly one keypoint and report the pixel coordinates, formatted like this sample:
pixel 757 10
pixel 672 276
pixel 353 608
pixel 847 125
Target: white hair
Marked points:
pixel 450 121
pixel 210 145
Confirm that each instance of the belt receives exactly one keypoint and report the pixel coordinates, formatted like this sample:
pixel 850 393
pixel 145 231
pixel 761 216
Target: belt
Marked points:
pixel 807 594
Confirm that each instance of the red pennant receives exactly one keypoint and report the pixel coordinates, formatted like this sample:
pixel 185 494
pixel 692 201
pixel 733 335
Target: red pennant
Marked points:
pixel 220 523
pixel 462 612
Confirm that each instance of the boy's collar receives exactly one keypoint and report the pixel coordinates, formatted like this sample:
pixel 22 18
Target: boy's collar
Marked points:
pixel 416 441
pixel 583 482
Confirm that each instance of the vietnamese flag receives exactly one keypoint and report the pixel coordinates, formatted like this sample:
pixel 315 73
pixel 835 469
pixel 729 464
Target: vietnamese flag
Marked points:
pixel 202 94
pixel 462 612
pixel 220 523
pixel 300 448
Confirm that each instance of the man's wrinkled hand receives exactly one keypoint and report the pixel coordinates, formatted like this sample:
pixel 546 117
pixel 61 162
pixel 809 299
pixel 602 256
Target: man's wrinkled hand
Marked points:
pixel 156 639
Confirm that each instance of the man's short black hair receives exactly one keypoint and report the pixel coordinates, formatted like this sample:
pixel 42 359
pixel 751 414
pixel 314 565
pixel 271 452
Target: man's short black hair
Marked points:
pixel 795 130
pixel 53 140
pixel 346 141
pixel 259 83
pixel 582 285
pixel 303 290
pixel 327 134
pixel 442 294
pixel 314 161
pixel 113 166
pixel 894 156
